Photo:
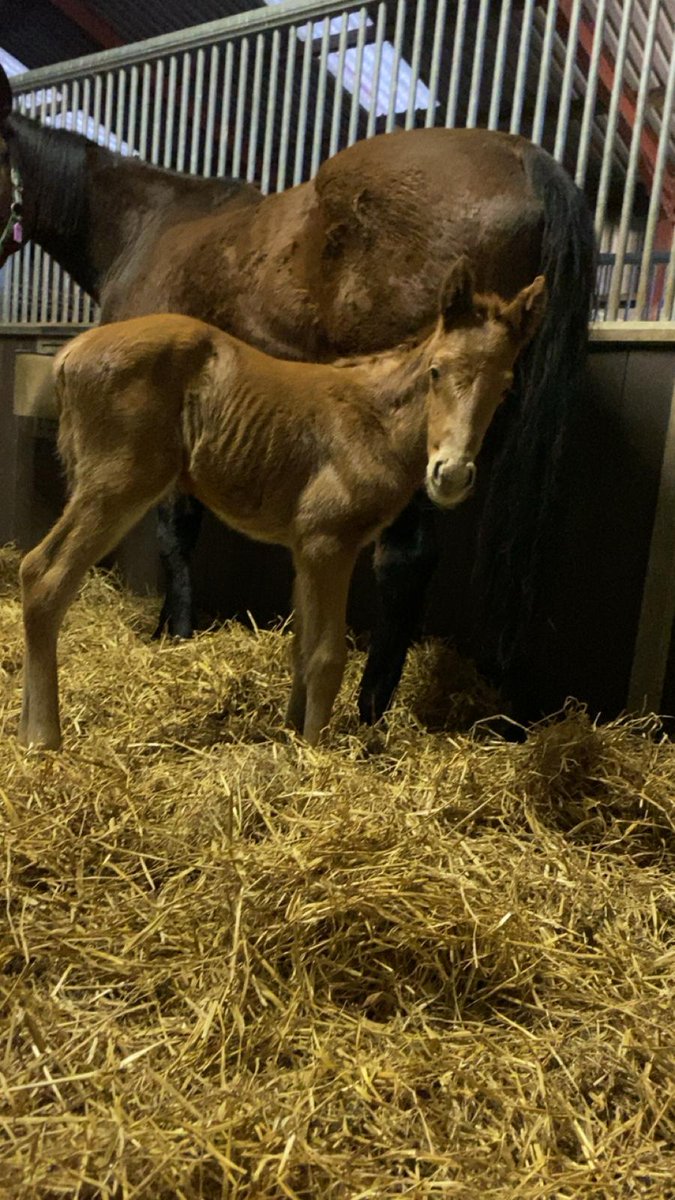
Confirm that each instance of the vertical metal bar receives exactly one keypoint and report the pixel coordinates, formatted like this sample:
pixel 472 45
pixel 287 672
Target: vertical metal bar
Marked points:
pixel 544 73
pixel 271 110
pixel 291 48
pixel 477 69
pixel 668 313
pixel 107 112
pixel 301 124
pixel 393 84
pixel 34 248
pixel 197 113
pixel 339 87
pixel 358 72
pixel 65 277
pixel 88 309
pixel 436 53
pixel 612 116
pixel 456 68
pixel 255 108
pixel 75 110
pixel 211 111
pixel 145 112
pixel 568 77
pixel 121 100
pixel 500 61
pixel 415 62
pixel 98 99
pixel 320 97
pixel 633 160
pixel 133 104
pixel 655 197
pixel 170 111
pixel 55 268
pixel 241 104
pixel 224 134
pixel 521 70
pixel 21 265
pixel 591 89
pixel 6 285
pixel 158 110
pixel 42 258
pixel 183 112
pixel 86 304
pixel 377 67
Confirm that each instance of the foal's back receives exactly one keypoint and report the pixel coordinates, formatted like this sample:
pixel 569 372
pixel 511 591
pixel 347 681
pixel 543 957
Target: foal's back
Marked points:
pixel 241 430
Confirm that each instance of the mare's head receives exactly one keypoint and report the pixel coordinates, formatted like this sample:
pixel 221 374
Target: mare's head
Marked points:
pixel 469 363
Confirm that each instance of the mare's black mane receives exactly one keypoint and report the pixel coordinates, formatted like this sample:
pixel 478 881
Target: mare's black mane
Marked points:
pixel 54 167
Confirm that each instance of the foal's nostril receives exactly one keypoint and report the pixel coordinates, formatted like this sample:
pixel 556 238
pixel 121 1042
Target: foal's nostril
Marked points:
pixel 437 473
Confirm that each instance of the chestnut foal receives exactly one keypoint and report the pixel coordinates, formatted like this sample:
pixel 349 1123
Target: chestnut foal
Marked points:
pixel 318 458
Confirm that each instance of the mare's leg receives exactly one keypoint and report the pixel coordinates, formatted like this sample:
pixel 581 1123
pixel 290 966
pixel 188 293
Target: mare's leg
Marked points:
pixel 295 713
pixel 178 525
pixel 405 560
pixel 92 524
pixel 322 589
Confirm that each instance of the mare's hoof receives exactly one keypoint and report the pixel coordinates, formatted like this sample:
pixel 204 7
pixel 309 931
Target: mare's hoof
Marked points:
pixel 178 629
pixel 372 706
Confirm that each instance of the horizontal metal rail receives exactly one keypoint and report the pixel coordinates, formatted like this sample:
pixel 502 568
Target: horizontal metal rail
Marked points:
pixel 259 20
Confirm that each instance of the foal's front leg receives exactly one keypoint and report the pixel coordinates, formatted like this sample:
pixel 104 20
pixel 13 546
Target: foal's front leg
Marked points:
pixel 297 705
pixel 322 588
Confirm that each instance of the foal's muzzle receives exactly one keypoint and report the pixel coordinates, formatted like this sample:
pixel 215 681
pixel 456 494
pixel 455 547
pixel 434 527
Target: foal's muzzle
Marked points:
pixel 448 481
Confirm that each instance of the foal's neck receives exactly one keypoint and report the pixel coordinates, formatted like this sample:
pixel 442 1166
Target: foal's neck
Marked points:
pixel 392 378
pixel 393 389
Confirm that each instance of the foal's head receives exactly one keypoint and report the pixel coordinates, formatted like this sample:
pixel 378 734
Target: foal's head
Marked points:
pixel 469 364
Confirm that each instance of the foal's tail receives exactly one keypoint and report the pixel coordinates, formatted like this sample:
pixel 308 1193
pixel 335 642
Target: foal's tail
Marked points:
pixel 520 515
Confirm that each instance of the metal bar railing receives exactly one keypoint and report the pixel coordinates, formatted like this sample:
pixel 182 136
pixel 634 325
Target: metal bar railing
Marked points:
pixel 656 195
pixel 631 175
pixel 267 94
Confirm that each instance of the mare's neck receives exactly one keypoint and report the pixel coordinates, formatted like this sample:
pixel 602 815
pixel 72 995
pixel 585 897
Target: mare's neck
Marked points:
pixel 87 206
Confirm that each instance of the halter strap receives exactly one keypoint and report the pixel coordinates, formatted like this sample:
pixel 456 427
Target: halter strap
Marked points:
pixel 11 238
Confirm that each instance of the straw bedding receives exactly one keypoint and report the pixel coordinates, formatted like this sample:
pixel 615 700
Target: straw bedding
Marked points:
pixel 417 962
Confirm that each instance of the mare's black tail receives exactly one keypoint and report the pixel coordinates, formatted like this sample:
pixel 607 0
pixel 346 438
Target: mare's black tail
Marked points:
pixel 522 505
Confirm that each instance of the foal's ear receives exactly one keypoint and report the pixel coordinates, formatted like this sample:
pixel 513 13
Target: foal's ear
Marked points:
pixel 524 314
pixel 5 96
pixel 457 292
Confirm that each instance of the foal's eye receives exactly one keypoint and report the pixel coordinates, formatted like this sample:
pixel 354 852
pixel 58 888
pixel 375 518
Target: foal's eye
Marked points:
pixel 434 373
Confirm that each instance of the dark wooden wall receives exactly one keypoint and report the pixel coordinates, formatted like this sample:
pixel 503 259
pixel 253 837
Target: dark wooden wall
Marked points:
pixel 595 586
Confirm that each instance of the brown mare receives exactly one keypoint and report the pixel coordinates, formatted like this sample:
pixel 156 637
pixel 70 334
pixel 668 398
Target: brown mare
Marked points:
pixel 348 263
pixel 318 458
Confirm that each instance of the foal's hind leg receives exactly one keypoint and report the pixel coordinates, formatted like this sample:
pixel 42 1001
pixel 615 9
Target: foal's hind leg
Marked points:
pixel 405 561
pixel 92 525
pixel 178 525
